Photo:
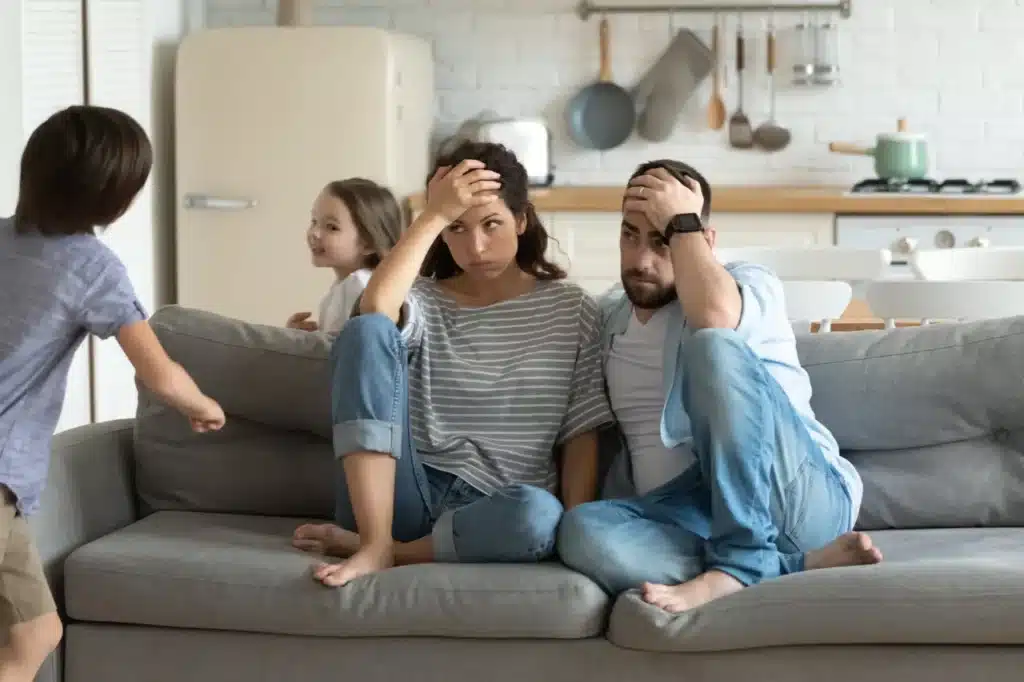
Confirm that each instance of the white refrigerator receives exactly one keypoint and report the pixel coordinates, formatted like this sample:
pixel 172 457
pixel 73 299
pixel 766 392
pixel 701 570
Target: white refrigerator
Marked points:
pixel 264 118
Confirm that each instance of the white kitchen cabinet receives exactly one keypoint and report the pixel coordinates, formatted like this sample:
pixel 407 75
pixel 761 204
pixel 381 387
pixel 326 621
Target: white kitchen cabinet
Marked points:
pixel 587 244
pixel 774 229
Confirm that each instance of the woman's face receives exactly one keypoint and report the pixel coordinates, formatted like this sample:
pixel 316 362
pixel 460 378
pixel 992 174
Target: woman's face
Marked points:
pixel 485 239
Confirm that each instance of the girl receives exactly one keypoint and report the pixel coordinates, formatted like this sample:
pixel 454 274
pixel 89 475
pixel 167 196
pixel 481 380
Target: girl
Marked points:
pixel 470 362
pixel 354 223
pixel 80 169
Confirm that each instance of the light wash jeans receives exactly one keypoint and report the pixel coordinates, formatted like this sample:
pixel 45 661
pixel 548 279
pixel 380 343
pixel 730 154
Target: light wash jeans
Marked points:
pixel 760 495
pixel 370 400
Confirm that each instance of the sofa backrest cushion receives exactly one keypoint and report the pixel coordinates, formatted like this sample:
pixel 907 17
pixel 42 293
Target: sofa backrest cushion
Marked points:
pixel 274 454
pixel 917 386
pixel 933 418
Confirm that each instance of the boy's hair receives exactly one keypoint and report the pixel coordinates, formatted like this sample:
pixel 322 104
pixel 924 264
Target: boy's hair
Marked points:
pixel 81 169
pixel 680 170
pixel 375 212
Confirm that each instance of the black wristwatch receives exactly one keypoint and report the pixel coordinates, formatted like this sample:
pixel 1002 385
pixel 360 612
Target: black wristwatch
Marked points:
pixel 683 223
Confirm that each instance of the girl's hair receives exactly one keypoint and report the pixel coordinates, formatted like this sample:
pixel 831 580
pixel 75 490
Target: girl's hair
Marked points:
pixel 81 168
pixel 375 212
pixel 533 242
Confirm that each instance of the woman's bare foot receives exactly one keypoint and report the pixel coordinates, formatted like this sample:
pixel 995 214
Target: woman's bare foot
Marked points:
pixel 705 587
pixel 326 538
pixel 849 549
pixel 368 559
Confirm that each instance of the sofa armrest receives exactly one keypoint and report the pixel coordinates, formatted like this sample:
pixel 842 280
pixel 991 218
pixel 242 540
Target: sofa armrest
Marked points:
pixel 90 493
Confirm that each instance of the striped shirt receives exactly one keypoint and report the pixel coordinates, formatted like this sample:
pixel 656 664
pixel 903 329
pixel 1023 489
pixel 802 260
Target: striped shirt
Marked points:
pixel 493 389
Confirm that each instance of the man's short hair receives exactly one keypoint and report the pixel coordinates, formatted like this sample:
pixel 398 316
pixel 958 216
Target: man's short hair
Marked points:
pixel 680 170
pixel 81 169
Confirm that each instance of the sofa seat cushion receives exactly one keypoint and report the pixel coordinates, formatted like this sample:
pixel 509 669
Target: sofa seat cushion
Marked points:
pixel 957 586
pixel 233 572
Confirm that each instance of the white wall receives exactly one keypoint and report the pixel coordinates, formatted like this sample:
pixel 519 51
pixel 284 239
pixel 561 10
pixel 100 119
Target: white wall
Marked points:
pixel 12 132
pixel 952 69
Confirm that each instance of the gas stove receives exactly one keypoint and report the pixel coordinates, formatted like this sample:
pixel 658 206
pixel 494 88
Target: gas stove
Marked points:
pixel 950 187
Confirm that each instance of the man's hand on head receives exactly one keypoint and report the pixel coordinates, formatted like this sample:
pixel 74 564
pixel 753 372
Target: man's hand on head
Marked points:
pixel 660 196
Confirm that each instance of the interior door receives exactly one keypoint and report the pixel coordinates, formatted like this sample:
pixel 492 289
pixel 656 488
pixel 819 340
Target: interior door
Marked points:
pixel 120 51
pixel 265 117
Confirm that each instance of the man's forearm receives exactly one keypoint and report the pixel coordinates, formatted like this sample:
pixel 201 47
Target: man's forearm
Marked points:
pixel 708 293
pixel 579 470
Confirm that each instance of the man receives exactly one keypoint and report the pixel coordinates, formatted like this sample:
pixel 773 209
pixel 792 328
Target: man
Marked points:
pixel 733 479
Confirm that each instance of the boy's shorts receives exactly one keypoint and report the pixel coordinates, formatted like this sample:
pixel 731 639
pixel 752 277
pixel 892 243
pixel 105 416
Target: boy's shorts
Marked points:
pixel 24 593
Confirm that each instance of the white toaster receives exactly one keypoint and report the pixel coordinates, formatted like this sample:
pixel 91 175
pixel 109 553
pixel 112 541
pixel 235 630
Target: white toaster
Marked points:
pixel 529 139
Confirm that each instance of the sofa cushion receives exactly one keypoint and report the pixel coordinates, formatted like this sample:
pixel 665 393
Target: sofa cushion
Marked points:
pixel 977 482
pixel 274 455
pixel 930 417
pixel 917 386
pixel 232 572
pixel 958 586
pixel 270 375
pixel 245 468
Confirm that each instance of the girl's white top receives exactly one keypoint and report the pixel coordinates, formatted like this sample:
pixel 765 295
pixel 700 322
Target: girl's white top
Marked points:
pixel 336 306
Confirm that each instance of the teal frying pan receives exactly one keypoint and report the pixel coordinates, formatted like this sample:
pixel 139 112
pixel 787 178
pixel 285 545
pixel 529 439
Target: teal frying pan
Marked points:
pixel 603 114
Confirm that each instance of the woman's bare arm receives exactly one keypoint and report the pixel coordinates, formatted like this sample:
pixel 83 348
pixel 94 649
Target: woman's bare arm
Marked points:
pixel 450 193
pixel 579 470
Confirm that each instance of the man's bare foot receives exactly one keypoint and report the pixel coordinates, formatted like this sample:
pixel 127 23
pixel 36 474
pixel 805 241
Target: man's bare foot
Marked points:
pixel 706 587
pixel 368 559
pixel 849 549
pixel 325 538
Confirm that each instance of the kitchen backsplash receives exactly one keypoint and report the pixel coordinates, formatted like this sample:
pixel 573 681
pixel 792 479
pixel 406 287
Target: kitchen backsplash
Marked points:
pixel 952 70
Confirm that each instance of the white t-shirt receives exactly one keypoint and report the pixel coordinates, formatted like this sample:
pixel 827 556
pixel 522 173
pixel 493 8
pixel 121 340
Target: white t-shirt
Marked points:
pixel 635 386
pixel 336 306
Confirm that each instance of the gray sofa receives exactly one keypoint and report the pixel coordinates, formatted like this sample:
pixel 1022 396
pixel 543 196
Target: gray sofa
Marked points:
pixel 170 551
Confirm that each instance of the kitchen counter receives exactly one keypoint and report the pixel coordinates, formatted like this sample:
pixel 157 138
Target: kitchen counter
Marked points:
pixel 780 199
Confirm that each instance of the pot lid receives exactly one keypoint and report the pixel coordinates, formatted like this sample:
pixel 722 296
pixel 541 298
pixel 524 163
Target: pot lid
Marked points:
pixel 903 137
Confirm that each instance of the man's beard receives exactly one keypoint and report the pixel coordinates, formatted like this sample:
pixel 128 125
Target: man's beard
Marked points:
pixel 648 294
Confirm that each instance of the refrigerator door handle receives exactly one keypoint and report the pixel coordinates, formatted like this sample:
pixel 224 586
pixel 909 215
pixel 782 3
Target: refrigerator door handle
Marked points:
pixel 205 201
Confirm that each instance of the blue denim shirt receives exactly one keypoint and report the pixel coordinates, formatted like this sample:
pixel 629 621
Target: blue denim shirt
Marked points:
pixel 763 324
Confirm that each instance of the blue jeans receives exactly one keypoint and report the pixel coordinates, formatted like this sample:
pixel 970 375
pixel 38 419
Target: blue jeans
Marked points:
pixel 370 403
pixel 760 495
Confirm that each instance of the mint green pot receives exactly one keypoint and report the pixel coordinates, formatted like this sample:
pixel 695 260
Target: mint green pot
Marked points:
pixel 899 156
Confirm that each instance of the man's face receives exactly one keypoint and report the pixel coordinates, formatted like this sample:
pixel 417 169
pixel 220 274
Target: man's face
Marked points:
pixel 646 263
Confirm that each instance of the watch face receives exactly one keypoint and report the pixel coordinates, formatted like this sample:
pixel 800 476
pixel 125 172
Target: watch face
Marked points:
pixel 689 222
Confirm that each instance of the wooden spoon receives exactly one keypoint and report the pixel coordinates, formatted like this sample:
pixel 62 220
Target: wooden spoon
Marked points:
pixel 716 107
pixel 294 13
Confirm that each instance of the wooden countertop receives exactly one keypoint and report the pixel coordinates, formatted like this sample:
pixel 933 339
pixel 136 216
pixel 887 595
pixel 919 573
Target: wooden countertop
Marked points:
pixel 778 199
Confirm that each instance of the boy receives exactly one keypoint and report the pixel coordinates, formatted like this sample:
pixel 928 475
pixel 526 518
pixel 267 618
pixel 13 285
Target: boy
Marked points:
pixel 81 169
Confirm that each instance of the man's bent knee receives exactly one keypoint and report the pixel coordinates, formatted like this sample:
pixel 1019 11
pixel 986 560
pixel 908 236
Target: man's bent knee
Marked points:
pixel 588 545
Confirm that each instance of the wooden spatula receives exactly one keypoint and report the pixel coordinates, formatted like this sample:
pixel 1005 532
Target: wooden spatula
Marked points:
pixel 716 107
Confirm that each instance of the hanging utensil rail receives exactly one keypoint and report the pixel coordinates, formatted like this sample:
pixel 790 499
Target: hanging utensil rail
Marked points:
pixel 587 8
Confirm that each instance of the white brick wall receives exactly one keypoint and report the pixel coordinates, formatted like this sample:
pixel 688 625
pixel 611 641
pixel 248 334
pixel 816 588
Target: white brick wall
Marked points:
pixel 953 70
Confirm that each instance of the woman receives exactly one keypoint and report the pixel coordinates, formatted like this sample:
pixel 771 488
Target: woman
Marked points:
pixel 470 362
